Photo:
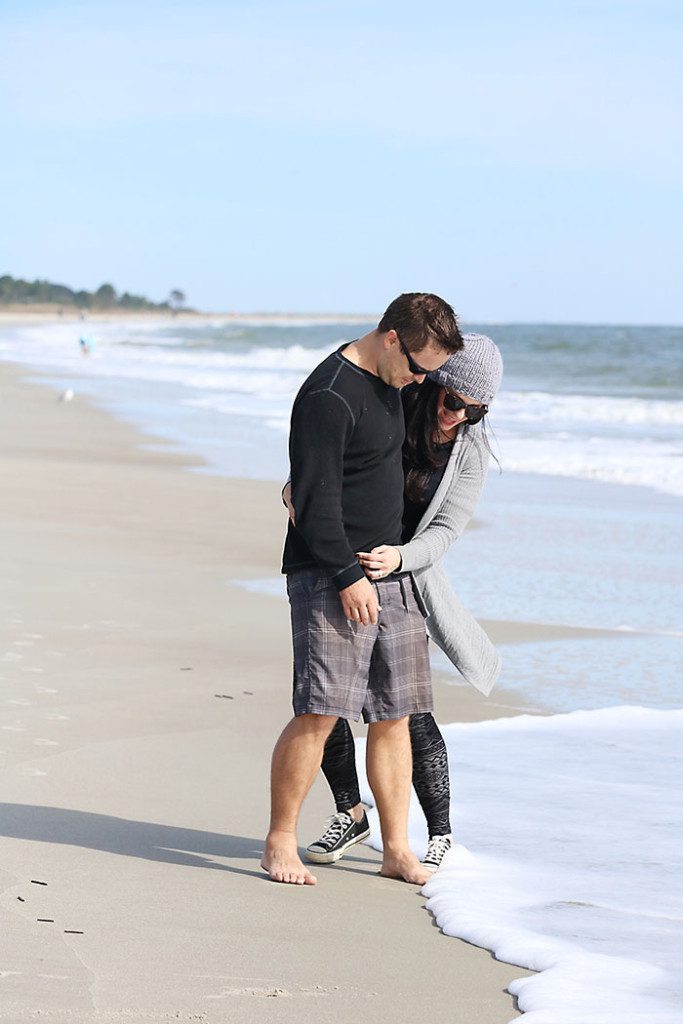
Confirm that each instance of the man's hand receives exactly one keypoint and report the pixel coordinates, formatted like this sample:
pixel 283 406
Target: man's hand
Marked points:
pixel 360 603
pixel 379 562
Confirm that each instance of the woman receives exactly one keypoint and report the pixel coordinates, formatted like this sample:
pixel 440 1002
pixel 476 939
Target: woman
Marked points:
pixel 445 459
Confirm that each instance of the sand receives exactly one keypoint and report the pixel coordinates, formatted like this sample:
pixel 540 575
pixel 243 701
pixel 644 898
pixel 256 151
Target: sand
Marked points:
pixel 142 693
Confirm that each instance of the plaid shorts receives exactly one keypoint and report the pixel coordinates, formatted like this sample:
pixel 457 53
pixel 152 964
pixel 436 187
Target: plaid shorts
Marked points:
pixel 346 669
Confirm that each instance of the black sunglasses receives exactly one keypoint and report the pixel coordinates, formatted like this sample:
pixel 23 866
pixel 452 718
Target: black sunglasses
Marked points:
pixel 414 367
pixel 473 413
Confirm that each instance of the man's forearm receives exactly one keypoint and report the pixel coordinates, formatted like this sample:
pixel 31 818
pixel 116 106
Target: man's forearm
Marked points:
pixel 322 529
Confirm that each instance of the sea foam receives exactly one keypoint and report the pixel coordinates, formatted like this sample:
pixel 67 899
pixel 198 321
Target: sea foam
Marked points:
pixel 244 375
pixel 570 850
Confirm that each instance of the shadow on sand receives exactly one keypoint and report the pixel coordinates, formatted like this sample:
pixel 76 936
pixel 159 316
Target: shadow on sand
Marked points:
pixel 165 843
pixel 125 837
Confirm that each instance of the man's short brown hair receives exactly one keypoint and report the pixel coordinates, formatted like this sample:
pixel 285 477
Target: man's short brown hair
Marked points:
pixel 420 318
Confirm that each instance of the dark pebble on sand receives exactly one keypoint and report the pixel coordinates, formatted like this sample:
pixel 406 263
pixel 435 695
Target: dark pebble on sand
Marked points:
pixel 72 931
pixel 46 920
pixel 34 881
pixel 225 695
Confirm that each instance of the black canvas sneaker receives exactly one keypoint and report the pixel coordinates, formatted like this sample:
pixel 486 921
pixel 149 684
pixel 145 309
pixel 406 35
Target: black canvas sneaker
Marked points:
pixel 437 848
pixel 342 833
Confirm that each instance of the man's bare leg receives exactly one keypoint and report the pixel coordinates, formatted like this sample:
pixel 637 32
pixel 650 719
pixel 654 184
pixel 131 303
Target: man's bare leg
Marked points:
pixel 389 764
pixel 296 759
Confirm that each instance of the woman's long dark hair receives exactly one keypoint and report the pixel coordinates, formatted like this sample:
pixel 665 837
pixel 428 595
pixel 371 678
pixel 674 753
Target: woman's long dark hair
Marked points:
pixel 421 453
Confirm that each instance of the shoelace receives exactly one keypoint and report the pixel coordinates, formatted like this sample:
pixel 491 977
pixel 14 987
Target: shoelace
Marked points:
pixel 338 825
pixel 437 847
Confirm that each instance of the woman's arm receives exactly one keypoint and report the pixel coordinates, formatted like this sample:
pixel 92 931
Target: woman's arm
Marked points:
pixel 380 561
pixel 449 522
pixel 452 516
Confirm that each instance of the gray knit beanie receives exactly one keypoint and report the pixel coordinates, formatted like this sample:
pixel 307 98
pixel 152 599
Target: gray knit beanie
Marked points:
pixel 476 370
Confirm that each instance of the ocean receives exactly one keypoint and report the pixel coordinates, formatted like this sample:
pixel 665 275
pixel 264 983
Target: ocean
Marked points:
pixel 593 403
pixel 568 823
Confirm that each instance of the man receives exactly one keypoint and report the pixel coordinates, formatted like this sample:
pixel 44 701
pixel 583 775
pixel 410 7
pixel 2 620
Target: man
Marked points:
pixel 346 437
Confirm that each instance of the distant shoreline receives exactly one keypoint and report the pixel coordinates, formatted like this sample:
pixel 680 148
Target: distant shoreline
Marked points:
pixel 43 313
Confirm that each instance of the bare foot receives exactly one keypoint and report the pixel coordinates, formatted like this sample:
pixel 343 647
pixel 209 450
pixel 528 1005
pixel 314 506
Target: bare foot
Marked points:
pixel 405 866
pixel 282 862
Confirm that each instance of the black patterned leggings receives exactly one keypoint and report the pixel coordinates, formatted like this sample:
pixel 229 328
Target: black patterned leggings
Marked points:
pixel 430 770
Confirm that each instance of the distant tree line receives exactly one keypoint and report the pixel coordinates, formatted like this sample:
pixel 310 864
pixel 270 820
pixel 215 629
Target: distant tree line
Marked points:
pixel 17 292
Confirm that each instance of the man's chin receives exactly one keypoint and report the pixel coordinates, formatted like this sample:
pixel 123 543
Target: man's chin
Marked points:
pixel 388 380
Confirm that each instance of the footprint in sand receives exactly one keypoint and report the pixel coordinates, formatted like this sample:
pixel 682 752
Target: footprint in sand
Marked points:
pixel 268 993
pixel 11 656
pixel 17 727
pixel 27 668
pixel 46 743
pixel 20 700
pixel 45 689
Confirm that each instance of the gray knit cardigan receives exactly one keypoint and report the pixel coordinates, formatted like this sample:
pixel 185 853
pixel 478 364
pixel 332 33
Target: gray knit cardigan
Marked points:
pixel 450 625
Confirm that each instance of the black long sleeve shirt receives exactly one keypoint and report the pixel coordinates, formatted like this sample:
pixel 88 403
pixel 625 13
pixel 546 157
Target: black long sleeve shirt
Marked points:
pixel 345 442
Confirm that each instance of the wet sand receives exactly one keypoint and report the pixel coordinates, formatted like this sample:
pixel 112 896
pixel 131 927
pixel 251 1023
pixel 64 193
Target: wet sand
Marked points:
pixel 142 693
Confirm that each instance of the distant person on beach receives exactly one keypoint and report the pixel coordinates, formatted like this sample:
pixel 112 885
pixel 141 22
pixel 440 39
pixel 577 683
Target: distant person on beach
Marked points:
pixel 445 459
pixel 347 432
pixel 86 344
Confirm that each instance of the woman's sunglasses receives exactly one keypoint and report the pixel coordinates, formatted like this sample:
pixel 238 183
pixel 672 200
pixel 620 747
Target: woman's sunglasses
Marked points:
pixel 473 413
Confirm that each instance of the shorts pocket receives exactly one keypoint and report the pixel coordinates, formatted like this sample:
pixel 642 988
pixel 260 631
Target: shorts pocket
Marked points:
pixel 417 599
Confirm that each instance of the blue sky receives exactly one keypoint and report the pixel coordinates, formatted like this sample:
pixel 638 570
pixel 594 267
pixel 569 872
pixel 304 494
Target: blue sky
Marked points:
pixel 523 160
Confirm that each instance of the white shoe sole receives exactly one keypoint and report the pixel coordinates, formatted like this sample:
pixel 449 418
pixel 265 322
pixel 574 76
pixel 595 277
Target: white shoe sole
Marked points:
pixel 332 858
